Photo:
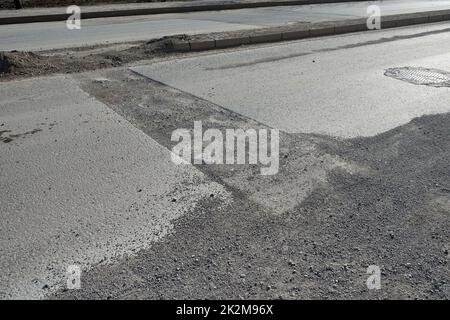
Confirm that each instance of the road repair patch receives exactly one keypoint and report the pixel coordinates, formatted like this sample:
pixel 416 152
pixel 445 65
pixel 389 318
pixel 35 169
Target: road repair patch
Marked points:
pixel 81 186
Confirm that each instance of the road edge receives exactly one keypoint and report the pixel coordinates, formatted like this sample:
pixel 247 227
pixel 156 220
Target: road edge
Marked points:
pixel 309 31
pixel 162 10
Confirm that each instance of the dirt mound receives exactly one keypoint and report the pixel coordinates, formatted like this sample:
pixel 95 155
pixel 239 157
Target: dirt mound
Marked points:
pixel 17 63
pixel 9 62
pixel 164 44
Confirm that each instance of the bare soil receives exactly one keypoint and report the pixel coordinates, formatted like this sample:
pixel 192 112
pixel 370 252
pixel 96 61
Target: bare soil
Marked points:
pixel 17 64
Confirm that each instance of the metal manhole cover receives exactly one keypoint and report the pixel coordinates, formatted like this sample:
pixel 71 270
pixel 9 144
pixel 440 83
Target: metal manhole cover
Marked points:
pixel 421 76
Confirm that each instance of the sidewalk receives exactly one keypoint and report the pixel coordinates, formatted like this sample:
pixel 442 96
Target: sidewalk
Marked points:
pixel 129 9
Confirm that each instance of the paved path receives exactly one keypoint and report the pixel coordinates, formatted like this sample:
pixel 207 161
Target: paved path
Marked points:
pixel 50 35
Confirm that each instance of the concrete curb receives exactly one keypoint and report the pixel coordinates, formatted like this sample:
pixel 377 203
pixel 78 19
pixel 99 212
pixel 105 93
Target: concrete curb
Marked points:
pixel 312 30
pixel 160 10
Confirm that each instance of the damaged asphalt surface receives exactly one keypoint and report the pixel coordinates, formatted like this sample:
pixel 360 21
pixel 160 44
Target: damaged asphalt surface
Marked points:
pixel 380 201
pixel 336 206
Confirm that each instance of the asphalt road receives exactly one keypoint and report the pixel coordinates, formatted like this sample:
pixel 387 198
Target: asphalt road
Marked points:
pixel 336 206
pixel 86 177
pixel 52 35
pixel 325 86
pixel 80 185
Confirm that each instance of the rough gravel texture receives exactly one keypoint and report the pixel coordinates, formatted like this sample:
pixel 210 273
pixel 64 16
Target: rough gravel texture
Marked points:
pixel 336 207
pixel 388 205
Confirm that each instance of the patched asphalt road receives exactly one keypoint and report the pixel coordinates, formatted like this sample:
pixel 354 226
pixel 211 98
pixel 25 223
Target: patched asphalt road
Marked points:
pixel 381 200
pixel 336 206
